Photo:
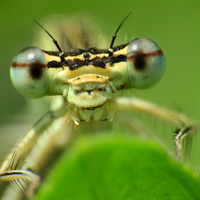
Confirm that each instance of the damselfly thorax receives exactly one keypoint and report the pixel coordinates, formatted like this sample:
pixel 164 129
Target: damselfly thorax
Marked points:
pixel 86 78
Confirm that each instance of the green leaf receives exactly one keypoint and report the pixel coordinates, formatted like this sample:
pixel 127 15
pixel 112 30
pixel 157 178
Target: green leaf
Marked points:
pixel 118 167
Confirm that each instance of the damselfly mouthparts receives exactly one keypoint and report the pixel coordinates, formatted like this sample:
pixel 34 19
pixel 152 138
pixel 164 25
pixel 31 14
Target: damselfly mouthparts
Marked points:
pixel 86 81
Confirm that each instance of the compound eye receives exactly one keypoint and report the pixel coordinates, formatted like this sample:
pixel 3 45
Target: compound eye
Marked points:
pixel 29 73
pixel 145 62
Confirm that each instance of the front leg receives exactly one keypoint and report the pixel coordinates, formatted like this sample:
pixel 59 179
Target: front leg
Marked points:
pixel 185 126
pixel 18 168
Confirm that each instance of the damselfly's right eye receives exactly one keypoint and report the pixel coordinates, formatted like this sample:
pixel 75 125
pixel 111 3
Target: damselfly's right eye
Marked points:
pixel 145 62
pixel 29 73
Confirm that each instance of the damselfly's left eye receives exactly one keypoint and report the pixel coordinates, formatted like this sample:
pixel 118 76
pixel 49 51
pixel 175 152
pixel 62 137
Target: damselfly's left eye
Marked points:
pixel 145 62
pixel 29 73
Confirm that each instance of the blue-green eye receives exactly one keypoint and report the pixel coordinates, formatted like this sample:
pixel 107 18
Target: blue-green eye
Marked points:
pixel 29 73
pixel 145 62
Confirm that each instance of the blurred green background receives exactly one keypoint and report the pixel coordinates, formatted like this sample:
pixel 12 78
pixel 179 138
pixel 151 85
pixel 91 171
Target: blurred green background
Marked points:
pixel 174 25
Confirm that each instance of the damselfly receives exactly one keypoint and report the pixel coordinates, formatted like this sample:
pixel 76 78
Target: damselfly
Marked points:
pixel 85 80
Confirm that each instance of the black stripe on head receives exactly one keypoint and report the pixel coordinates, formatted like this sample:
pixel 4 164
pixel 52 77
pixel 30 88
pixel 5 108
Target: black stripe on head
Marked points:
pixel 96 62
pixel 92 50
pixel 54 64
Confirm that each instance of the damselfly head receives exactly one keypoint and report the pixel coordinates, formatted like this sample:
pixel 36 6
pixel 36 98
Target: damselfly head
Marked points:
pixel 87 77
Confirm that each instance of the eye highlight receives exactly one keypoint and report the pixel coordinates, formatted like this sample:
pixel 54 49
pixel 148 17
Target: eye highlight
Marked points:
pixel 29 73
pixel 145 62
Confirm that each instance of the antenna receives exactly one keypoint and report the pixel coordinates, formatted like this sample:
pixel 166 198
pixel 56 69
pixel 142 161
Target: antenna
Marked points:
pixel 115 35
pixel 54 41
